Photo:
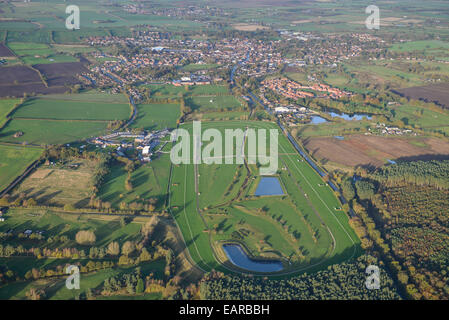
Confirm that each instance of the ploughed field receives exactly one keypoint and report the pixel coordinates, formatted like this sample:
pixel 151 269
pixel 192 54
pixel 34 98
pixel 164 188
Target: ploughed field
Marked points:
pixel 437 93
pixel 215 204
pixel 17 80
pixel 360 150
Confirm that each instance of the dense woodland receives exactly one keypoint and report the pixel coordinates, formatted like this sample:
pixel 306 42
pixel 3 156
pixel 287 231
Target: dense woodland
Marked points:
pixel 403 209
pixel 342 281
pixel 432 173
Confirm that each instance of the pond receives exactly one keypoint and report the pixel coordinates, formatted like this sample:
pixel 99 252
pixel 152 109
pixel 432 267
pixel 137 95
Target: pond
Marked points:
pixel 342 115
pixel 269 186
pixel 359 116
pixel 317 120
pixel 238 257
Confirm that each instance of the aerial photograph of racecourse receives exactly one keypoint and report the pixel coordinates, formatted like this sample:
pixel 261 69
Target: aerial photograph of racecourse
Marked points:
pixel 224 150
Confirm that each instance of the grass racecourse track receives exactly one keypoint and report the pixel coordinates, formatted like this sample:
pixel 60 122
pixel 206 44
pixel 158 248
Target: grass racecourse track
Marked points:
pixel 305 229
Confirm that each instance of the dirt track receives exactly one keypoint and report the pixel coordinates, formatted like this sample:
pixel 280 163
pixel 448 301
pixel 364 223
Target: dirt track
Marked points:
pixel 361 150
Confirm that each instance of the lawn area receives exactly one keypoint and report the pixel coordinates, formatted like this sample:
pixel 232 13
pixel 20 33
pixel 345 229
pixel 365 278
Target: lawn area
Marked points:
pixel 228 115
pixel 51 131
pixel 206 90
pixel 157 116
pixel 150 180
pixel 165 90
pixel 72 110
pixel 219 183
pixel 14 160
pixel 203 103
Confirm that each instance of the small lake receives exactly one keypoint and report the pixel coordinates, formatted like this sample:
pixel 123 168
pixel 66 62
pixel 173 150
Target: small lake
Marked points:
pixel 238 257
pixel 269 186
pixel 346 116
pixel 317 120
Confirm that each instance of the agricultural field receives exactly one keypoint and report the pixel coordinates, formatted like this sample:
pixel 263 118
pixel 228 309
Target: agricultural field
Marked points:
pixel 58 119
pixel 38 53
pixel 90 96
pixel 60 184
pixel 72 110
pixel 157 116
pixel 61 74
pixel 361 150
pixel 42 131
pixel 432 93
pixel 428 46
pixel 305 226
pixel 13 162
pixel 6 106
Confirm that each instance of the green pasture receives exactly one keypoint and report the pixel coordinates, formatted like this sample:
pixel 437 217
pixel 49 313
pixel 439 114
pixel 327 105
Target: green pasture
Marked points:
pixel 41 131
pixel 14 160
pixel 72 110
pixel 157 116
pixel 203 103
pixel 6 105
pixel 90 96
pixel 150 180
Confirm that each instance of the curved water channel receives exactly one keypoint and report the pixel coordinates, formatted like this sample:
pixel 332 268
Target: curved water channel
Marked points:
pixel 238 257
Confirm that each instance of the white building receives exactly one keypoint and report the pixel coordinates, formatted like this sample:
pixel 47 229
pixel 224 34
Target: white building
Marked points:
pixel 146 150
pixel 281 109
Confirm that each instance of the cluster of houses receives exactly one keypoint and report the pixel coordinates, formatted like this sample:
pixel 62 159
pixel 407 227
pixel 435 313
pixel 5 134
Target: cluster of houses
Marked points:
pixel 159 49
pixel 2 212
pixel 293 90
pixel 146 142
pixel 337 48
pixel 382 128
pixel 192 80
